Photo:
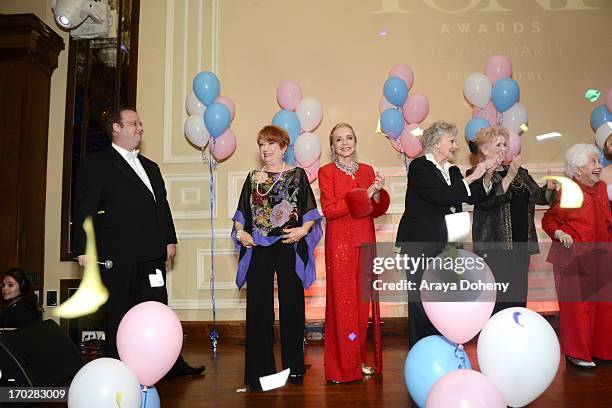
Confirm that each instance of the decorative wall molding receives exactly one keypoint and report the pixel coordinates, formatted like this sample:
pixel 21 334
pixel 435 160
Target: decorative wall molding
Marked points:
pixel 171 179
pixel 169 67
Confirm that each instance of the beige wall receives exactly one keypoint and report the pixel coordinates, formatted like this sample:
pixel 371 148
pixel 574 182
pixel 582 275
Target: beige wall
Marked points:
pixel 334 51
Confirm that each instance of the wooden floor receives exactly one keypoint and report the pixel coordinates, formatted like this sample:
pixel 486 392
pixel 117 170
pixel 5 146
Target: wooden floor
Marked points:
pixel 572 387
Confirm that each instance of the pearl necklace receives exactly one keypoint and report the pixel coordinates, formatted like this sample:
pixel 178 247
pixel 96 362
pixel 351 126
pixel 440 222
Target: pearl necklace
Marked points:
pixel 273 184
pixel 348 170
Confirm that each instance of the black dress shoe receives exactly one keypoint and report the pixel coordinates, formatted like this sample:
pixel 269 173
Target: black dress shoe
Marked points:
pixel 184 370
pixel 296 379
pixel 192 371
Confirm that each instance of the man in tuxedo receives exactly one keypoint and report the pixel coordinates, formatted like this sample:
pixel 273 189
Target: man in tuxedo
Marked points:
pixel 124 193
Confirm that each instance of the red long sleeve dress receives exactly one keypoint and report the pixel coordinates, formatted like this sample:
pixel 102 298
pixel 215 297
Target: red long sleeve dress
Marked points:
pixel 346 312
pixel 585 312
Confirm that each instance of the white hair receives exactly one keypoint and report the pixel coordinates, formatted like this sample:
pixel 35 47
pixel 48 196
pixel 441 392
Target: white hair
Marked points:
pixel 577 156
pixel 433 134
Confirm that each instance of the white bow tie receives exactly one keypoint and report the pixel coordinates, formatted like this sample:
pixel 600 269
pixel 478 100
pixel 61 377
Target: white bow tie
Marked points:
pixel 132 155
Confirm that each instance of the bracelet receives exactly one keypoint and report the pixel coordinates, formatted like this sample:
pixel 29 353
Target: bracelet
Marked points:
pixel 238 235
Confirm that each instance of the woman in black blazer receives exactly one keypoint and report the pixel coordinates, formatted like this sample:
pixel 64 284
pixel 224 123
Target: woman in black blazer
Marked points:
pixel 436 188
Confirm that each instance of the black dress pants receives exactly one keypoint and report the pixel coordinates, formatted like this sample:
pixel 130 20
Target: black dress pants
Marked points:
pixel 128 286
pixel 259 355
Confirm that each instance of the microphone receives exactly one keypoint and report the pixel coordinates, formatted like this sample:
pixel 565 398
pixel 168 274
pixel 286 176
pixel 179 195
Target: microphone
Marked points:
pixel 108 264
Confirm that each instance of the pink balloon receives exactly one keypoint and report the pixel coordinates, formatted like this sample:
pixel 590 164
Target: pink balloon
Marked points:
pixel 288 95
pixel 225 100
pixel 489 113
pixel 609 100
pixel 498 66
pixel 415 108
pixel 384 104
pixel 513 146
pixel 223 146
pixel 404 72
pixel 312 171
pixel 460 314
pixel 411 145
pixel 464 388
pixel 149 340
pixel 396 144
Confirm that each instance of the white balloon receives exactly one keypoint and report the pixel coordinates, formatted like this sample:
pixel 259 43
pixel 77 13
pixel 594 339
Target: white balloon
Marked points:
pixel 519 351
pixel 602 133
pixel 104 382
pixel 514 117
pixel 310 113
pixel 307 149
pixel 477 89
pixel 196 131
pixel 193 105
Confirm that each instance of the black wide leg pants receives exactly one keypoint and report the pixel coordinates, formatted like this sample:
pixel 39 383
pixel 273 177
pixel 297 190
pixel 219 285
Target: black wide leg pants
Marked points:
pixel 259 356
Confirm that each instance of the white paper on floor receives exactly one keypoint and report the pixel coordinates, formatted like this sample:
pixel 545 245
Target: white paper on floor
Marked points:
pixel 270 382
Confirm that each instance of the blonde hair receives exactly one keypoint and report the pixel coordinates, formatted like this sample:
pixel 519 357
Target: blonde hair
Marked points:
pixel 487 135
pixel 338 126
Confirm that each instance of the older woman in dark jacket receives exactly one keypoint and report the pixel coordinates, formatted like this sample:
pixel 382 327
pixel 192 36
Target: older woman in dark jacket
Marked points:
pixel 436 188
pixel 503 226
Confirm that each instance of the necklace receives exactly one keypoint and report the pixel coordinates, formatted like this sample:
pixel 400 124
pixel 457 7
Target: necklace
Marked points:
pixel 273 184
pixel 348 170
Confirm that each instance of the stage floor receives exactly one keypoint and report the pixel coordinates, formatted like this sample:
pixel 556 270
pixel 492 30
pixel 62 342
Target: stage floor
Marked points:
pixel 572 387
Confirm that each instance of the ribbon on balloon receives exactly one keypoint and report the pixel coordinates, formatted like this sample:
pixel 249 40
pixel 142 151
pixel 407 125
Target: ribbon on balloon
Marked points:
pixel 208 125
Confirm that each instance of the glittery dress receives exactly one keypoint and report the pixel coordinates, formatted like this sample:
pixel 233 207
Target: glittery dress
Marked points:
pixel 346 314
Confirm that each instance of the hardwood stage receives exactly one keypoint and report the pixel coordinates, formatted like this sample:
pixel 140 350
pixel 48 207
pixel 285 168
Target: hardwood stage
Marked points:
pixel 572 387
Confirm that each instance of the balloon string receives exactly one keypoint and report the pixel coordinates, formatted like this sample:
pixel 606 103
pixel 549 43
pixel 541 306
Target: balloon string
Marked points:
pixel 213 334
pixel 460 354
pixel 144 405
pixel 406 163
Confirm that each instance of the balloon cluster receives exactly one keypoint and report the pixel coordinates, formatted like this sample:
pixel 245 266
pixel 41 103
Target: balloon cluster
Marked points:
pixel 494 97
pixel 518 351
pixel 149 341
pixel 400 113
pixel 601 122
pixel 299 117
pixel 210 116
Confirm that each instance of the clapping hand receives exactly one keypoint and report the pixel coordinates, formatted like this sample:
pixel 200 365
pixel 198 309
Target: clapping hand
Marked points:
pixel 515 164
pixel 377 185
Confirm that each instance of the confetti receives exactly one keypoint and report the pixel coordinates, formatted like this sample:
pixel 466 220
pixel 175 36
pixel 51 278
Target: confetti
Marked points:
pixel 417 132
pixel 270 382
pixel 524 127
pixel 352 336
pixel 547 136
pixel 592 95
pixel 572 196
pixel 241 389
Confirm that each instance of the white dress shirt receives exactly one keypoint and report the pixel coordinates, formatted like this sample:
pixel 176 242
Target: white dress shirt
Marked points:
pixel 132 159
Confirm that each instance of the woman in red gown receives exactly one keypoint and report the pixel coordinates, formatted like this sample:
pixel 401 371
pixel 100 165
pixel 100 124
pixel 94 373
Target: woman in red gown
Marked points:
pixel 351 197
pixel 580 254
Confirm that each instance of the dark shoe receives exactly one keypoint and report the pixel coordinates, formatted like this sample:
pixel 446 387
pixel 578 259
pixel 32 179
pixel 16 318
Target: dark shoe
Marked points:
pixel 296 379
pixel 184 370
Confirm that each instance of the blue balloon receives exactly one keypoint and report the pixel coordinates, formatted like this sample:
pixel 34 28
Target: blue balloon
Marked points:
pixel 395 90
pixel 602 158
pixel 217 119
pixel 474 126
pixel 289 121
pixel 504 94
pixel 427 361
pixel 290 156
pixel 150 398
pixel 392 123
pixel 599 116
pixel 206 87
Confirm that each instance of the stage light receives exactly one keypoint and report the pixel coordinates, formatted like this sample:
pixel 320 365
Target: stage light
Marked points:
pixel 84 18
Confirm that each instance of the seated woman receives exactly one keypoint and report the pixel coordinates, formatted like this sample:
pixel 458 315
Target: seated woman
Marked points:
pixel 504 227
pixel 578 235
pixel 21 308
pixel 436 188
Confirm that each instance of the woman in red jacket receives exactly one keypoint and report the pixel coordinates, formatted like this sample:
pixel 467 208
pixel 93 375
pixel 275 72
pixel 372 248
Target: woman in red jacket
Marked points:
pixel 580 254
pixel 352 196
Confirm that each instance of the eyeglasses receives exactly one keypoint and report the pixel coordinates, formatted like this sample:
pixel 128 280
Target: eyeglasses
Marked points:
pixel 134 123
